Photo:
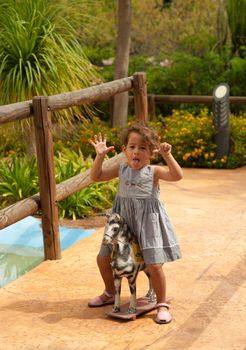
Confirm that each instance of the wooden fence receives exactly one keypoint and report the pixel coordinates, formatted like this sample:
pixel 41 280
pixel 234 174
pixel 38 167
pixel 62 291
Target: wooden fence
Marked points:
pixel 154 100
pixel 40 108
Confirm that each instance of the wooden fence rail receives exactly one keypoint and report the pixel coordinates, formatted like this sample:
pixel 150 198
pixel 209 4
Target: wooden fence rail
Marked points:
pixel 195 99
pixel 153 100
pixel 22 110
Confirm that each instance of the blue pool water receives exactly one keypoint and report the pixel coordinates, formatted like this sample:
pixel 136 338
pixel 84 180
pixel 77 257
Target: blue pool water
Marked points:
pixel 21 246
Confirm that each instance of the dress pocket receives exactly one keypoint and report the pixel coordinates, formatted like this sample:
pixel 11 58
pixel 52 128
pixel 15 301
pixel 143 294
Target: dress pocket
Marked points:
pixel 151 235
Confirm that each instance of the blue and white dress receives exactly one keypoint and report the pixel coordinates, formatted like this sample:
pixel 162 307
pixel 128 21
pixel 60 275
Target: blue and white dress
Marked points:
pixel 138 202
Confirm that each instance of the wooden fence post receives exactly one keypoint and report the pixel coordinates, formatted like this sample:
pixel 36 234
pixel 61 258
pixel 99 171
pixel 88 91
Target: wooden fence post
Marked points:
pixel 140 96
pixel 47 184
pixel 151 106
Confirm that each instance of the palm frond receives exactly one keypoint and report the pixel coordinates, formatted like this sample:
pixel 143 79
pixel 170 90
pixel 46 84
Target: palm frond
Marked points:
pixel 33 34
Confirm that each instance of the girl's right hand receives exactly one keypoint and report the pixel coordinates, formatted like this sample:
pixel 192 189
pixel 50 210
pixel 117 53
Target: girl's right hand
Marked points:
pixel 100 146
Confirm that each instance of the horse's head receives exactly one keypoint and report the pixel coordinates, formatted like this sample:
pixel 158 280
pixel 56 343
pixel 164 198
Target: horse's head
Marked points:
pixel 114 230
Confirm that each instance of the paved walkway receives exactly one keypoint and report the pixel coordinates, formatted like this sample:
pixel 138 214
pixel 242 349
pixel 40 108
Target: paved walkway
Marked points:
pixel 47 308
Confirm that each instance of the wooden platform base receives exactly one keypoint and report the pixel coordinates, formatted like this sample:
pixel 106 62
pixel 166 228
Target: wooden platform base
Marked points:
pixel 143 306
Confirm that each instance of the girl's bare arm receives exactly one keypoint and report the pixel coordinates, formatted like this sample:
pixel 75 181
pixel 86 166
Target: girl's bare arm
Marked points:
pixel 174 171
pixel 98 173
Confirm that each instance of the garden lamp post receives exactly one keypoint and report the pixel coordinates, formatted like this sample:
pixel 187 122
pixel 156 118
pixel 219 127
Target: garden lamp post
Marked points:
pixel 221 113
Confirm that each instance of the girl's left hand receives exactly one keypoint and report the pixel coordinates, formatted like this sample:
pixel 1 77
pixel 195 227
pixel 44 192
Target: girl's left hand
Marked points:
pixel 165 149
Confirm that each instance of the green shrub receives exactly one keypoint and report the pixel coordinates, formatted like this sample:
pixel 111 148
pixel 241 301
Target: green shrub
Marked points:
pixel 185 74
pixel 90 200
pixel 236 76
pixel 18 179
pixel 138 64
pixel 192 138
pixel 96 198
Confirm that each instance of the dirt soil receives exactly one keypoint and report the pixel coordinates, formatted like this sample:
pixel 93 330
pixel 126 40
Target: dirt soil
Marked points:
pixel 86 223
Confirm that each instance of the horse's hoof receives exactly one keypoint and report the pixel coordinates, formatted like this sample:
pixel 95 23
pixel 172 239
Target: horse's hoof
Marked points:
pixel 131 310
pixel 115 309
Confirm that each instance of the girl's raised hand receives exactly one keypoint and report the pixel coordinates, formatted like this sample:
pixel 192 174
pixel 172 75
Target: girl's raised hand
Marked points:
pixel 99 143
pixel 165 149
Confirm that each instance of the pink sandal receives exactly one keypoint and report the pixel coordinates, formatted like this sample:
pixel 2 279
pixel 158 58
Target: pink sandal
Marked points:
pixel 163 316
pixel 98 301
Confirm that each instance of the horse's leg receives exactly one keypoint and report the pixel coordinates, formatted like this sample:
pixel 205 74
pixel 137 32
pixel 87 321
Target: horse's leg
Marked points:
pixel 133 290
pixel 133 302
pixel 117 285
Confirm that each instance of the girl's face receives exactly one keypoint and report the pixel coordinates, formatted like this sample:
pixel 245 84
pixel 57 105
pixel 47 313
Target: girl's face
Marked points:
pixel 137 151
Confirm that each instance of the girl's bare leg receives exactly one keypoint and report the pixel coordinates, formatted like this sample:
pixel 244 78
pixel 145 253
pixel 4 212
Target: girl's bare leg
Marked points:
pixel 158 280
pixel 105 269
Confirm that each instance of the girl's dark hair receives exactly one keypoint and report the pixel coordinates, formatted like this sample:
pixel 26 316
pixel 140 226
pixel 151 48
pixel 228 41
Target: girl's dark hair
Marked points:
pixel 149 135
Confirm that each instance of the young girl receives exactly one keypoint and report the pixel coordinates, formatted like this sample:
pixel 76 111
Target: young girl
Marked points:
pixel 138 202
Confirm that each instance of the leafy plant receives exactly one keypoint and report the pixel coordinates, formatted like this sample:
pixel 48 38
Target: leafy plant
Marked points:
pixel 95 198
pixel 18 179
pixel 33 34
pixel 69 163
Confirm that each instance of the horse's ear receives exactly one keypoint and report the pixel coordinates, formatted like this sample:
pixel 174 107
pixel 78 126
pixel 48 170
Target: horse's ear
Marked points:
pixel 119 218
pixel 108 213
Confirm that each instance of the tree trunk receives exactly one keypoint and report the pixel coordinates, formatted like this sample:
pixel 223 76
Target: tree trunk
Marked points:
pixel 120 108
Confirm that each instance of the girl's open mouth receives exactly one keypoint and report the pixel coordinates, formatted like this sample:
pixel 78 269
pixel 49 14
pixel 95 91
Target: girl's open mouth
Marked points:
pixel 136 160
